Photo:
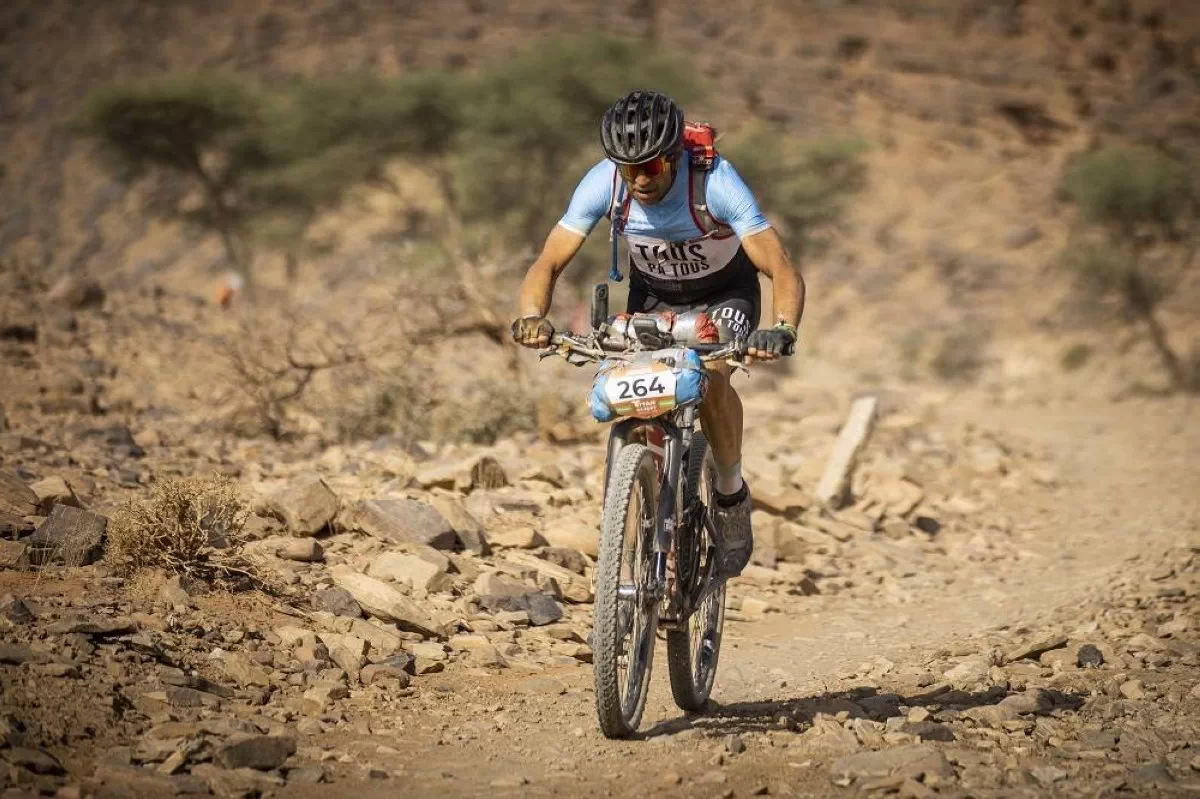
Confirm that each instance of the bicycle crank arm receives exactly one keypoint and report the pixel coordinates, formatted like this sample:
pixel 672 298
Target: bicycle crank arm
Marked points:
pixel 708 585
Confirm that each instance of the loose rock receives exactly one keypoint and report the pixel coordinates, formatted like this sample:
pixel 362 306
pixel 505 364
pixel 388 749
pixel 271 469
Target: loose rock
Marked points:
pixel 76 292
pixel 468 529
pixel 70 536
pixel 574 534
pixel 338 601
pixel 54 491
pixel 401 521
pixel 262 752
pixel 416 571
pixel 307 506
pixel 303 550
pixel 1034 649
pixel 384 602
pixel 909 759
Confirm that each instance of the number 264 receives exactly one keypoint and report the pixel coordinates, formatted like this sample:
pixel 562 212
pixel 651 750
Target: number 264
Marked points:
pixel 640 387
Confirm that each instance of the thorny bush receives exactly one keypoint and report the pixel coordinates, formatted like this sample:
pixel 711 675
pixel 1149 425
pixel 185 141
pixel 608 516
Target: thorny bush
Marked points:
pixel 188 525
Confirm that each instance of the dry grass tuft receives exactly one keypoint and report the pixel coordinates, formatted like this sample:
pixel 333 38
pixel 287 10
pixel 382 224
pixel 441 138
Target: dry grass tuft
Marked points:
pixel 190 525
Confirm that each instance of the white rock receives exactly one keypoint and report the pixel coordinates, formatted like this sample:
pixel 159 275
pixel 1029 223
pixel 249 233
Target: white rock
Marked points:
pixel 414 570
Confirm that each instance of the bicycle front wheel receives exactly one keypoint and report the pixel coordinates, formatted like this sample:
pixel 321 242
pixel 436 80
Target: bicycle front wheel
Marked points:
pixel 692 652
pixel 626 611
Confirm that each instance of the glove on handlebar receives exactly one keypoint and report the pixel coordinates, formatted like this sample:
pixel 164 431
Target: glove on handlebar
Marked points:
pixel 779 340
pixel 529 330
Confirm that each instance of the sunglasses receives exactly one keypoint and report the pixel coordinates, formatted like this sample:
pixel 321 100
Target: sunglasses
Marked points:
pixel 652 168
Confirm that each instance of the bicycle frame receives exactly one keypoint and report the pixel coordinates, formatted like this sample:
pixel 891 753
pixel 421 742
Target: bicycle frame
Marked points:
pixel 669 438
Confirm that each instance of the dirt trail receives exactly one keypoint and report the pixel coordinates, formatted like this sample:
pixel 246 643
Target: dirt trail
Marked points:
pixel 1130 477
pixel 1130 480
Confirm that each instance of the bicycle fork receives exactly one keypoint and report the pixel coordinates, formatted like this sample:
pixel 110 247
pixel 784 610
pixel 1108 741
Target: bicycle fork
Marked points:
pixel 669 442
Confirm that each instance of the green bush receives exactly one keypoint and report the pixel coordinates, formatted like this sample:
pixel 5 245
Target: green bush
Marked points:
pixel 961 355
pixel 531 130
pixel 1141 207
pixel 508 144
pixel 1076 356
pixel 320 137
pixel 176 121
pixel 185 123
pixel 1123 186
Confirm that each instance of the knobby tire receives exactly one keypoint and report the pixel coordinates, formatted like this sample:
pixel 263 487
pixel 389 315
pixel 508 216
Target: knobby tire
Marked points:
pixel 689 688
pixel 619 717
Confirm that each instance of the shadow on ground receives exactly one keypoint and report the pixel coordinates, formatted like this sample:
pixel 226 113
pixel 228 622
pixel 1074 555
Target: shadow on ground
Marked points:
pixel 865 702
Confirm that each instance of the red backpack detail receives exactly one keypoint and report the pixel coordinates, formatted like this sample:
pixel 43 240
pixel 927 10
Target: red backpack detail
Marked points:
pixel 700 141
pixel 700 144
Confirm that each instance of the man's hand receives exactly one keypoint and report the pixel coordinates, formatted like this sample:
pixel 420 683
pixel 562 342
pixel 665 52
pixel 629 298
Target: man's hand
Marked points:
pixel 767 345
pixel 532 331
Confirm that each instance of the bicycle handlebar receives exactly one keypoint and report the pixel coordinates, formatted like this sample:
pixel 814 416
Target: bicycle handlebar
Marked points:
pixel 708 352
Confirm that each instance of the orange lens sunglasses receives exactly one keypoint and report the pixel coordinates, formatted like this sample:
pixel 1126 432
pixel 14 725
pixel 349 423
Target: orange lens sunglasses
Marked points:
pixel 653 168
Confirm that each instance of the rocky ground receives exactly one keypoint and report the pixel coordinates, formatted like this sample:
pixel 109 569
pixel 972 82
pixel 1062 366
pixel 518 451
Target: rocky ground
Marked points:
pixel 1004 605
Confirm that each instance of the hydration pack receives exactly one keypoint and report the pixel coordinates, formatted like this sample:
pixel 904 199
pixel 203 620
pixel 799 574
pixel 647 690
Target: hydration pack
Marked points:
pixel 700 148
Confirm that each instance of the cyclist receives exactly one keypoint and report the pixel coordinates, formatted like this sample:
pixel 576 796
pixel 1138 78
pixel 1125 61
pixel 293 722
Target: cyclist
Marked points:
pixel 680 261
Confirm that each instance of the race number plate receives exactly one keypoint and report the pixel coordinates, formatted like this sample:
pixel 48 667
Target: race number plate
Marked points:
pixel 647 385
pixel 641 391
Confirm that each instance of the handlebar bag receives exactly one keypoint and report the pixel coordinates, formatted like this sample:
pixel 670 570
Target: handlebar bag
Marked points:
pixel 649 385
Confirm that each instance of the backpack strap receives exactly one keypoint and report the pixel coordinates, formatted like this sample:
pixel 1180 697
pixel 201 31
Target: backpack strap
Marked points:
pixel 618 216
pixel 708 224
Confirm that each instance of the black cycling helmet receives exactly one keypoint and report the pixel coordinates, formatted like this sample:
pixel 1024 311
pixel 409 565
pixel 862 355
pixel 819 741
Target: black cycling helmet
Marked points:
pixel 640 126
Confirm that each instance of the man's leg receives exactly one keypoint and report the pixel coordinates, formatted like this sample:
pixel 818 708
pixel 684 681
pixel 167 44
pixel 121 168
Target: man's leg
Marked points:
pixel 721 421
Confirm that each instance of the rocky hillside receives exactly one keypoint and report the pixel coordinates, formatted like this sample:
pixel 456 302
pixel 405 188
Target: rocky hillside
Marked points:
pixel 388 585
pixel 971 110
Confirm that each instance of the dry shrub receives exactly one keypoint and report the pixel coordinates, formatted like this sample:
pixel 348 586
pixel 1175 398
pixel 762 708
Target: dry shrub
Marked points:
pixel 275 359
pixel 190 525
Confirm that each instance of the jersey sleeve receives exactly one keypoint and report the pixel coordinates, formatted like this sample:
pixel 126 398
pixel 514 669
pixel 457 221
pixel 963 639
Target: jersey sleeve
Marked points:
pixel 591 199
pixel 731 201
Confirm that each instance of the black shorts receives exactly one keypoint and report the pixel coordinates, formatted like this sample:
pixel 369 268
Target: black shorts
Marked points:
pixel 733 308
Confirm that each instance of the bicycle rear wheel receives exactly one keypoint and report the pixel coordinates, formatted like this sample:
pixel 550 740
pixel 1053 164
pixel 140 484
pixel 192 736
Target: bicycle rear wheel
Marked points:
pixel 692 652
pixel 626 611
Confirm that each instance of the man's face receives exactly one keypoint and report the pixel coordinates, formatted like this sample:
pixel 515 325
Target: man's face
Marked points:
pixel 649 182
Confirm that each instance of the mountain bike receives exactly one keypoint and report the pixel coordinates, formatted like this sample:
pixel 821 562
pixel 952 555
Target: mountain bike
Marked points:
pixel 656 564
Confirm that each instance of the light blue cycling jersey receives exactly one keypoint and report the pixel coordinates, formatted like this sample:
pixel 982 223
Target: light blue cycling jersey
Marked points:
pixel 666 246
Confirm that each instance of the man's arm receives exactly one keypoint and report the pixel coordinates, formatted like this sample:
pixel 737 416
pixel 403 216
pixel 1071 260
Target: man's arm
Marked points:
pixel 769 256
pixel 537 289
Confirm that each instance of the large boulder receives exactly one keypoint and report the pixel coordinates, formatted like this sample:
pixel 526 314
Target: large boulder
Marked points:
pixel 400 521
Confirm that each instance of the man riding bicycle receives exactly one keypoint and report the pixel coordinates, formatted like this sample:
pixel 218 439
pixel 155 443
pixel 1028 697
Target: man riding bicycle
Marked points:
pixel 680 261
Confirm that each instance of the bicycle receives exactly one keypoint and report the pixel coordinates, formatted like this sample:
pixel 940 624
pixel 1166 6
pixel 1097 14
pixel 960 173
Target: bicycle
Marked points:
pixel 655 568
